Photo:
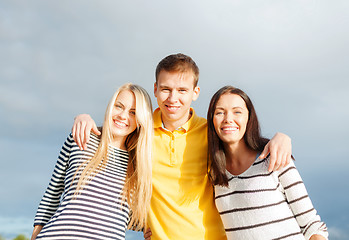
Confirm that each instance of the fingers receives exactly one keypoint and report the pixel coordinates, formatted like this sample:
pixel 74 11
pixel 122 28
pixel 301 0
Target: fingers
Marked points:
pixel 87 127
pixel 272 161
pixel 265 152
pixel 78 135
pixel 87 130
pixel 272 157
pixel 83 135
pixel 95 129
pixel 147 234
pixel 280 149
pixel 279 160
pixel 83 124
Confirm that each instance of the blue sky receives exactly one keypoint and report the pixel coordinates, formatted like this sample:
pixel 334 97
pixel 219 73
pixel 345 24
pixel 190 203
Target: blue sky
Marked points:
pixel 62 58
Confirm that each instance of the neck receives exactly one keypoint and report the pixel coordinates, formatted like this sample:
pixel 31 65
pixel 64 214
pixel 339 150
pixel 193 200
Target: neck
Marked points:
pixel 173 125
pixel 239 157
pixel 118 143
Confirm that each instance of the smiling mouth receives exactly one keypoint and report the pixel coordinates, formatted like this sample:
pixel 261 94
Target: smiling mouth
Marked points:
pixel 119 124
pixel 229 129
pixel 172 108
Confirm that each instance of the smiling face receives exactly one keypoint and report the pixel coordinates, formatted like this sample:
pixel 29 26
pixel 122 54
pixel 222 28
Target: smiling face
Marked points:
pixel 174 92
pixel 230 118
pixel 123 117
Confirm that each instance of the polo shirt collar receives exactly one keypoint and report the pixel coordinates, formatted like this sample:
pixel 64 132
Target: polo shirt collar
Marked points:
pixel 158 123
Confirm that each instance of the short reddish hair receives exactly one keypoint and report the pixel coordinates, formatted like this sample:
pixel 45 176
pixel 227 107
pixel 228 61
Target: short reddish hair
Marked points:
pixel 178 63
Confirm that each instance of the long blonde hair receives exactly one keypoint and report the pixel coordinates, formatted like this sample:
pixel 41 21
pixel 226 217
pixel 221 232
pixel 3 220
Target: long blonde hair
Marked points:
pixel 137 189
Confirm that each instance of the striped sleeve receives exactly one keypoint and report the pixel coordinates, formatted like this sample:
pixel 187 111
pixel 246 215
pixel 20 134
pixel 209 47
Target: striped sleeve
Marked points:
pixel 300 203
pixel 51 199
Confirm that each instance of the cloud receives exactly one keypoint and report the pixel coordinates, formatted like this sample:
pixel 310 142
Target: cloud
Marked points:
pixel 62 58
pixel 10 227
pixel 336 233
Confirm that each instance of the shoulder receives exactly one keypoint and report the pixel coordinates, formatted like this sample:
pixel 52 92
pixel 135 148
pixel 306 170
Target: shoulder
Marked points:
pixel 95 138
pixel 94 141
pixel 197 121
pixel 69 142
pixel 201 120
pixel 289 170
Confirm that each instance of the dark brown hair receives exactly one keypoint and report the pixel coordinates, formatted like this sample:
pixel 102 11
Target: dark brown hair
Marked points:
pixel 178 63
pixel 252 137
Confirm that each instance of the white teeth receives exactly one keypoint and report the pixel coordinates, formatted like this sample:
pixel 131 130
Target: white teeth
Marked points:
pixel 172 108
pixel 229 128
pixel 120 124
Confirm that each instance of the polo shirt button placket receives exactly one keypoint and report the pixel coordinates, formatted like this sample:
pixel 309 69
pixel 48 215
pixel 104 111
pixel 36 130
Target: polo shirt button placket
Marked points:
pixel 172 153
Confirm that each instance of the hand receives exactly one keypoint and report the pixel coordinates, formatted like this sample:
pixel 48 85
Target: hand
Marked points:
pixel 36 231
pixel 280 149
pixel 81 129
pixel 147 234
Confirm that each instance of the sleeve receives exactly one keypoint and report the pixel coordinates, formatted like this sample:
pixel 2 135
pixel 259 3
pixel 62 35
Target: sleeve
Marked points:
pixel 51 199
pixel 300 203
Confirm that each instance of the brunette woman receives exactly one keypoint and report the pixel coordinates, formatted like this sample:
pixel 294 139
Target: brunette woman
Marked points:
pixel 254 203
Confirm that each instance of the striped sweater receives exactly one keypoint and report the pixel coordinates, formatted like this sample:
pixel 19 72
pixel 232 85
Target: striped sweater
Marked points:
pixel 98 212
pixel 262 205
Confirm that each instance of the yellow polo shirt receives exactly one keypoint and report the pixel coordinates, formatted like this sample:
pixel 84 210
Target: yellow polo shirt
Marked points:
pixel 182 204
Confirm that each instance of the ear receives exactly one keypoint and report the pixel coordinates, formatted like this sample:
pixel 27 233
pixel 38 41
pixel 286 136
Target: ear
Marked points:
pixel 155 89
pixel 196 93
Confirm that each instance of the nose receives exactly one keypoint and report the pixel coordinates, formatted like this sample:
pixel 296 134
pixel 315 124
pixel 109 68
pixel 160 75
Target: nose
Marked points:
pixel 123 114
pixel 228 118
pixel 173 96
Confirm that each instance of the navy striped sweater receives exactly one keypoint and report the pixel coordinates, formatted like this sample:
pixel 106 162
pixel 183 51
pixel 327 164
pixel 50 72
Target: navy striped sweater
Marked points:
pixel 98 212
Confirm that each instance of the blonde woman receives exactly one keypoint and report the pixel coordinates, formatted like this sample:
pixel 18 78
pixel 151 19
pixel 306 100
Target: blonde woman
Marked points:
pixel 92 193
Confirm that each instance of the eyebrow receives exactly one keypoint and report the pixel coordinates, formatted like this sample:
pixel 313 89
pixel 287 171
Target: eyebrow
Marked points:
pixel 118 102
pixel 232 107
pixel 166 86
pixel 163 86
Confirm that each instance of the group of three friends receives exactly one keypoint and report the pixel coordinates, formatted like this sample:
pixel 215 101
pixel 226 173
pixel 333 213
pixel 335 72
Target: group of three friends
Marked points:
pixel 174 174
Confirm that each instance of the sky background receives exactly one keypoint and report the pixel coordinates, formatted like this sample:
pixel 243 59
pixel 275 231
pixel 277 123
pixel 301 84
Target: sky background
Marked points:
pixel 62 58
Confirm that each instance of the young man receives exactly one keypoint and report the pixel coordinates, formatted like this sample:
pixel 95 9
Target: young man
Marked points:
pixel 182 205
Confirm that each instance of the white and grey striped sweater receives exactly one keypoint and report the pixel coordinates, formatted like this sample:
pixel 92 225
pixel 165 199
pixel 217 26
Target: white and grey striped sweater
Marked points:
pixel 262 205
pixel 98 212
